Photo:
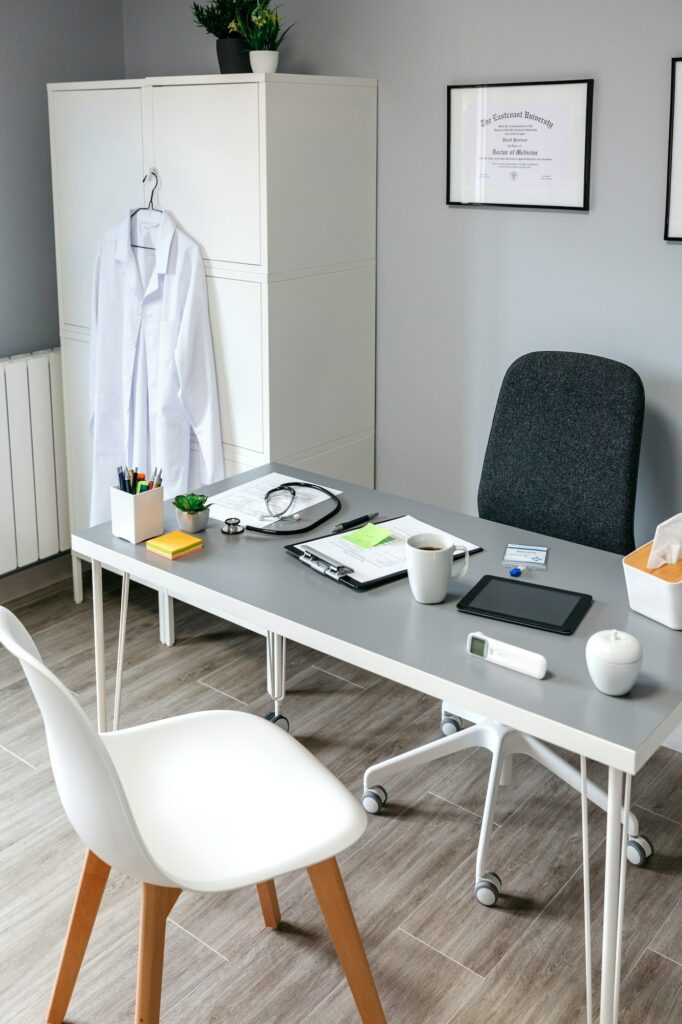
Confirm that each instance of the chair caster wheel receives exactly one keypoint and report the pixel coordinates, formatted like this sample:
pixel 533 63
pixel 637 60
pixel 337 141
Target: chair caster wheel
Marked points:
pixel 487 889
pixel 373 800
pixel 640 849
pixel 449 725
pixel 281 721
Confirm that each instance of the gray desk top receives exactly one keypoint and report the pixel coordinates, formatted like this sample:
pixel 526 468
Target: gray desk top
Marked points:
pixel 386 631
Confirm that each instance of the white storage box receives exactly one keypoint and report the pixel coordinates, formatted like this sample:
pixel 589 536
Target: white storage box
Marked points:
pixel 136 517
pixel 656 593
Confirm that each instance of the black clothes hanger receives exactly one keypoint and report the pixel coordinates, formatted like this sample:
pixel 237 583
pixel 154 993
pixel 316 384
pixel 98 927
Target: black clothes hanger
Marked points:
pixel 149 206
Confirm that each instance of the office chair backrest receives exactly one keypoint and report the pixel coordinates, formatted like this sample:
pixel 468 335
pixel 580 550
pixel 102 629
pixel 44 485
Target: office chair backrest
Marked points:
pixel 563 450
pixel 86 779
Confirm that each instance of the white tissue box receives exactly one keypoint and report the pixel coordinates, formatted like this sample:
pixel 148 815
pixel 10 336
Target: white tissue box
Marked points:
pixel 656 593
pixel 136 517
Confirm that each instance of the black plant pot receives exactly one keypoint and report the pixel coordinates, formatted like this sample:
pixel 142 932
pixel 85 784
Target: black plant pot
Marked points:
pixel 233 55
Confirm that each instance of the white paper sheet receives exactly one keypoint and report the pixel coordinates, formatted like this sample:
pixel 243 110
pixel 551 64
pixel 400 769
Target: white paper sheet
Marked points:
pixel 247 503
pixel 369 564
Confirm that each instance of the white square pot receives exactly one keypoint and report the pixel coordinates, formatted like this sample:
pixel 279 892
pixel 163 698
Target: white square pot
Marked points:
pixel 136 517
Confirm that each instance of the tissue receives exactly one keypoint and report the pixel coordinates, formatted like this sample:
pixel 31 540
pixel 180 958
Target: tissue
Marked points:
pixel 667 546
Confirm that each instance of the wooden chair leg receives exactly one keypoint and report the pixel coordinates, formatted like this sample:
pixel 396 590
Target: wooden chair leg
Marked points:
pixel 157 903
pixel 338 914
pixel 269 904
pixel 91 888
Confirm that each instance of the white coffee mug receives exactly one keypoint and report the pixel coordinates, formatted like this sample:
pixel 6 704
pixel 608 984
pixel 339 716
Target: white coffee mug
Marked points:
pixel 430 565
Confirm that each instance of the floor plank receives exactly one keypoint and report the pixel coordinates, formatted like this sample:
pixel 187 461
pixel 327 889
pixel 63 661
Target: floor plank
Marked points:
pixel 652 994
pixel 547 967
pixel 534 853
pixel 467 784
pixel 416 983
pixel 662 792
pixel 668 941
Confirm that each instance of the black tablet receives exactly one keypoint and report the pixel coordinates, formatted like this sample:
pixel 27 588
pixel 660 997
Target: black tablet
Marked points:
pixel 526 604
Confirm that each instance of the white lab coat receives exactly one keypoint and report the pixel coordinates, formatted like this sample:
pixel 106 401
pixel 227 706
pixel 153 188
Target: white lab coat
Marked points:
pixel 152 374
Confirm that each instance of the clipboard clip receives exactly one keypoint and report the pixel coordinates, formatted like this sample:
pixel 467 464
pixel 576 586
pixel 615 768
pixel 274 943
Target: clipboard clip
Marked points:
pixel 333 569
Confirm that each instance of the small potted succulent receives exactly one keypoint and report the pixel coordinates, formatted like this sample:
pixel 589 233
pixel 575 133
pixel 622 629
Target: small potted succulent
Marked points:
pixel 191 512
pixel 219 18
pixel 261 26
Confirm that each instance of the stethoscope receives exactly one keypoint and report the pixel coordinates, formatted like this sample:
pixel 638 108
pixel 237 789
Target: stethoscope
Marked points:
pixel 233 525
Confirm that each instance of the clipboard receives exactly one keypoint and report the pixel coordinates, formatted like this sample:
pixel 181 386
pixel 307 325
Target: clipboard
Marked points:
pixel 340 573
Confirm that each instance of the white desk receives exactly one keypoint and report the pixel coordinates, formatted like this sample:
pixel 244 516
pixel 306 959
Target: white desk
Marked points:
pixel 251 581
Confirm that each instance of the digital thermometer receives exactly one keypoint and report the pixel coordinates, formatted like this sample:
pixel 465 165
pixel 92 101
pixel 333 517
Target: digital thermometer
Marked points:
pixel 506 655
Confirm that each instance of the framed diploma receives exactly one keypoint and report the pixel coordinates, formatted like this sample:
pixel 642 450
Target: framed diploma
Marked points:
pixel 524 144
pixel 673 201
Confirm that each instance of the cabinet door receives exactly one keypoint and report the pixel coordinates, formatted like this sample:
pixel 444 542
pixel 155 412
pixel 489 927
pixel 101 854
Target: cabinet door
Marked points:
pixel 75 361
pixel 321 332
pixel 98 169
pixel 207 155
pixel 235 310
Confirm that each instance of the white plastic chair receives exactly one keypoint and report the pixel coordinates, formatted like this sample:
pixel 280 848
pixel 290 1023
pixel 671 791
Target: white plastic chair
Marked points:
pixel 171 805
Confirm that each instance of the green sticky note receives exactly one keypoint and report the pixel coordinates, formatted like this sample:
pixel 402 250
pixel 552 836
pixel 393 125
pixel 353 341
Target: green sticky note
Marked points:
pixel 368 536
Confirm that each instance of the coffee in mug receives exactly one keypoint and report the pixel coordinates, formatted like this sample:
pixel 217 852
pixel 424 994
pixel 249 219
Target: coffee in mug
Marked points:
pixel 430 565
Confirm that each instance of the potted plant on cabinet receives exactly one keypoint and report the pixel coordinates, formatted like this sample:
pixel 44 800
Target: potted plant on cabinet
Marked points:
pixel 220 19
pixel 191 512
pixel 261 26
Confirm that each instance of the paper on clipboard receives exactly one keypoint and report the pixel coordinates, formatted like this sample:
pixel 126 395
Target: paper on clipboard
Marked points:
pixel 386 559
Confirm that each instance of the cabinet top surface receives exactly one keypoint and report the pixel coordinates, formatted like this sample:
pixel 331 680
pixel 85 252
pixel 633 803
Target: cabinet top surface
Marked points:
pixel 242 79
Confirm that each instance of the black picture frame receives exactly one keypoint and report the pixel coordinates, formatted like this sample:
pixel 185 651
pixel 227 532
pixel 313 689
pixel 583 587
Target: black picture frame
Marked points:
pixel 584 170
pixel 672 233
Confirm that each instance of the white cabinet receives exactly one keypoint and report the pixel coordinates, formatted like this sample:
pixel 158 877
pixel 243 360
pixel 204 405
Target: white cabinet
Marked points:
pixel 75 372
pixel 235 311
pixel 274 176
pixel 97 171
pixel 206 147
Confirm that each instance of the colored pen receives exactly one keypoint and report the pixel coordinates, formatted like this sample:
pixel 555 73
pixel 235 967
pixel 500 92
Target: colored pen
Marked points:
pixel 360 521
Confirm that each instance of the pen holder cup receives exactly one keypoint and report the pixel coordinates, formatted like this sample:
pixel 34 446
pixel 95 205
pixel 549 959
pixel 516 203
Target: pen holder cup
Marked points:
pixel 137 517
pixel 656 593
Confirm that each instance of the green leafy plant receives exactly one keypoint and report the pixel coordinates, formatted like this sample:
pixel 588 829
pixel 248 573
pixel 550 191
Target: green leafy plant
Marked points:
pixel 261 25
pixel 191 503
pixel 220 18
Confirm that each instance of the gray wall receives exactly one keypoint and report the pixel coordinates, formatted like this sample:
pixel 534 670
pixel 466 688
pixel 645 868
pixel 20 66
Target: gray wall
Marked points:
pixel 46 41
pixel 461 293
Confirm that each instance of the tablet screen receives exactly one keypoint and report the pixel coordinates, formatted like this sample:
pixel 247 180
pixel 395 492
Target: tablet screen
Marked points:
pixel 528 604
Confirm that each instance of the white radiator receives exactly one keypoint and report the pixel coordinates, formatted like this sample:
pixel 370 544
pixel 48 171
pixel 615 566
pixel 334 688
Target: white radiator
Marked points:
pixel 34 516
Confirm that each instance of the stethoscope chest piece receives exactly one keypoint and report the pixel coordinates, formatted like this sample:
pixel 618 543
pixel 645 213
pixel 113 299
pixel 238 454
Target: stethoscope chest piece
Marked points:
pixel 232 527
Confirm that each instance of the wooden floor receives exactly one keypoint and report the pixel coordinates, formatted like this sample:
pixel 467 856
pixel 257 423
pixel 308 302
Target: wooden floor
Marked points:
pixel 438 957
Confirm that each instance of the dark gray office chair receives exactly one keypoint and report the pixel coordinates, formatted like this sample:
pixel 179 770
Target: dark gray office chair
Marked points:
pixel 562 460
pixel 563 449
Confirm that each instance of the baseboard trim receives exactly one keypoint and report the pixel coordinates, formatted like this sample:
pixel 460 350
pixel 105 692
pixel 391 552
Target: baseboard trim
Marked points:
pixel 674 741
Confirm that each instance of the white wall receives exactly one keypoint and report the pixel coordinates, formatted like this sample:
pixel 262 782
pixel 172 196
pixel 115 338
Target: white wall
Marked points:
pixel 46 41
pixel 461 293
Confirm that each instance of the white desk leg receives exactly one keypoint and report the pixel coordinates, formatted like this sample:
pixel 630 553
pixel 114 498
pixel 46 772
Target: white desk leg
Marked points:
pixel 125 590
pixel 77 574
pixel 98 616
pixel 276 655
pixel 621 899
pixel 609 966
pixel 166 619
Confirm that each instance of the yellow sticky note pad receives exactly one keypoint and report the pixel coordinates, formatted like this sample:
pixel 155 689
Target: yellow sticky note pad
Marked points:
pixel 368 536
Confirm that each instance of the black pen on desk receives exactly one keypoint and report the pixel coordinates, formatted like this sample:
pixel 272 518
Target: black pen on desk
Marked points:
pixel 360 521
